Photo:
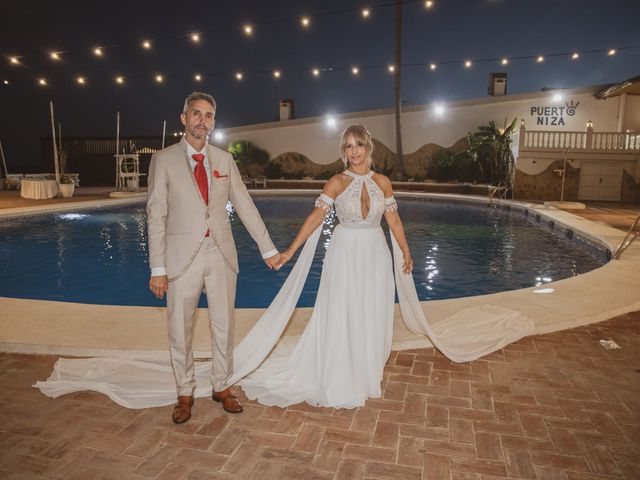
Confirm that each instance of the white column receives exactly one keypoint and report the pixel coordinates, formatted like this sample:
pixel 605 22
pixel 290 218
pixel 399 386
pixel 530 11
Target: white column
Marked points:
pixel 622 103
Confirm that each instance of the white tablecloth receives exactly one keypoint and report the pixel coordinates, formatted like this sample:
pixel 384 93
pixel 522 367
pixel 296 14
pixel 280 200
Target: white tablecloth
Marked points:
pixel 38 189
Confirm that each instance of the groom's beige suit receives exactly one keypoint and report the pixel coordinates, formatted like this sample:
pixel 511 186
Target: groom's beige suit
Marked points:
pixel 178 222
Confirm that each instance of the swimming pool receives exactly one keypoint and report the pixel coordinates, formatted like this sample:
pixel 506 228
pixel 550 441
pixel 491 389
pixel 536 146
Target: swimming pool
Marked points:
pixel 100 256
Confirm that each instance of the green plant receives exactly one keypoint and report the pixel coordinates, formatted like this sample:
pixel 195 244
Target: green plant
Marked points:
pixel 273 170
pixel 441 167
pixel 245 153
pixel 62 160
pixel 490 148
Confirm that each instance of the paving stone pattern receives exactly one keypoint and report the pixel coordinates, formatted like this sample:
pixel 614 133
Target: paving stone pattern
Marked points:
pixel 553 407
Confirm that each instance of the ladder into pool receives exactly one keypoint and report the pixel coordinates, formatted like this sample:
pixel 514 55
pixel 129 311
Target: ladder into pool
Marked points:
pixel 631 235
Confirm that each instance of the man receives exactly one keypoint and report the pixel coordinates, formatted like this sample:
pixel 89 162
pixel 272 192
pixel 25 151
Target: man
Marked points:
pixel 191 247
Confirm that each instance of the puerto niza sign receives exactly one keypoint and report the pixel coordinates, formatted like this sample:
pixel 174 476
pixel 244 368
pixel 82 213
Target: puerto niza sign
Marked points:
pixel 553 116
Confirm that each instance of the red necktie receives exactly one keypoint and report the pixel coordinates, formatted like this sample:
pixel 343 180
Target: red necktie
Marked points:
pixel 201 178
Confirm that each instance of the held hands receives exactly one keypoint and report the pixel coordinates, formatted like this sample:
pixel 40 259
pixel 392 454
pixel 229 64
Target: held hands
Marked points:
pixel 272 262
pixel 284 258
pixel 158 285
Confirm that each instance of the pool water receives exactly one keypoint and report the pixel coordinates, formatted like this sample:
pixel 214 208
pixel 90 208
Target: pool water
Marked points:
pixel 100 256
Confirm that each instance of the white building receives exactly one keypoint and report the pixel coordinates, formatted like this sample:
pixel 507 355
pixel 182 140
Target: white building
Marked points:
pixel 597 129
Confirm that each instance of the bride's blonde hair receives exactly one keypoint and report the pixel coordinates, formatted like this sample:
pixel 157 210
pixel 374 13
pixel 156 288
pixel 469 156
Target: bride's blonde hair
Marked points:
pixel 360 133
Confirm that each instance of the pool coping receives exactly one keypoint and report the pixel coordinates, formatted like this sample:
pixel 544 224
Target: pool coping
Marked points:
pixel 26 326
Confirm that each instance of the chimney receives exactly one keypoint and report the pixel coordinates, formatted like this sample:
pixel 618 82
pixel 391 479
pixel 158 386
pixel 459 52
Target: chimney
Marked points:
pixel 287 109
pixel 497 84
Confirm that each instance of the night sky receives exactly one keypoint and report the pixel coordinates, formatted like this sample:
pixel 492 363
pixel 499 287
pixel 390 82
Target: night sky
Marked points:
pixel 453 30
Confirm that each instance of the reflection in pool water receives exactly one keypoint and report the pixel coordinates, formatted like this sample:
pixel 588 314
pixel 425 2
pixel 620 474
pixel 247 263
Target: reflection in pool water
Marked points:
pixel 100 256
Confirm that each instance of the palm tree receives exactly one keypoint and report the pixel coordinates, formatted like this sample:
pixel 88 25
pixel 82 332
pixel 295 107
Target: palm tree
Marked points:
pixel 399 173
pixel 490 148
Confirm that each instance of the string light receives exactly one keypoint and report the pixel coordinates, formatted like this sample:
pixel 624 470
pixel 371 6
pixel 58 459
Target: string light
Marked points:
pixel 439 109
pixel 306 21
pixel 218 136
pixel 365 13
pixel 428 4
pixel 6 82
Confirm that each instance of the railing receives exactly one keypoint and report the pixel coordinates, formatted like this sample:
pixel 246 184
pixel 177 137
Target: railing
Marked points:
pixel 107 145
pixel 589 140
pixel 632 234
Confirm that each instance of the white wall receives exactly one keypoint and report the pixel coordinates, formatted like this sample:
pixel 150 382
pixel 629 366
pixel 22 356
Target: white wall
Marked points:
pixel 632 113
pixel 421 125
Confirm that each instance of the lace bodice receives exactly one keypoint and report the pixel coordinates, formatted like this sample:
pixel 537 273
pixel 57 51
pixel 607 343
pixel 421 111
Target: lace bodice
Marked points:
pixel 348 203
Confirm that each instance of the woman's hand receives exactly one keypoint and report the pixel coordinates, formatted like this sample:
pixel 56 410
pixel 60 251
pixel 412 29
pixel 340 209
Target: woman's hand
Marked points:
pixel 407 264
pixel 284 258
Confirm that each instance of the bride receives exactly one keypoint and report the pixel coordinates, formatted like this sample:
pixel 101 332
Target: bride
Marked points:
pixel 339 358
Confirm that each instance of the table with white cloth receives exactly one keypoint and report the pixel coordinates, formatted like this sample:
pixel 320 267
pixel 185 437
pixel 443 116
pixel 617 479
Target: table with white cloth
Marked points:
pixel 38 188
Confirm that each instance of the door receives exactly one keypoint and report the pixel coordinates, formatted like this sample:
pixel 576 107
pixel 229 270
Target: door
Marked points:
pixel 600 181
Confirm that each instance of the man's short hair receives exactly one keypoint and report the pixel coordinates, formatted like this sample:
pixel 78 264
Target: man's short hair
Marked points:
pixel 198 96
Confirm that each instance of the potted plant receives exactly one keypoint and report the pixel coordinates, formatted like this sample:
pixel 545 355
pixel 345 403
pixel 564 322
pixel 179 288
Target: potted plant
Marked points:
pixel 67 186
pixel 133 183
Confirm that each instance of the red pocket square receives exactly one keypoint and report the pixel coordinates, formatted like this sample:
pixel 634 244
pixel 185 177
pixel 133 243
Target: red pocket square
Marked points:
pixel 216 174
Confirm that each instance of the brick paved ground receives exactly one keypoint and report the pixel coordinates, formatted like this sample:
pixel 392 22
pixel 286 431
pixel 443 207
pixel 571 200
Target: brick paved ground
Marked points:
pixel 557 407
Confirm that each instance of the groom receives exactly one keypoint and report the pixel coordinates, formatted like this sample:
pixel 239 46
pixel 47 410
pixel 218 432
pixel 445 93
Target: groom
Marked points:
pixel 191 247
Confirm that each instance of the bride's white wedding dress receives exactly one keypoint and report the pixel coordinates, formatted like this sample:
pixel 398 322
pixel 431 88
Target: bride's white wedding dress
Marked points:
pixel 339 359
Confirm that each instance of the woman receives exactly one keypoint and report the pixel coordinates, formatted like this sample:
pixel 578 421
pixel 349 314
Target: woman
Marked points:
pixel 339 359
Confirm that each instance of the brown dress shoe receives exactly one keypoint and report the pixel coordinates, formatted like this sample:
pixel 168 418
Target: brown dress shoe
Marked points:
pixel 182 410
pixel 228 401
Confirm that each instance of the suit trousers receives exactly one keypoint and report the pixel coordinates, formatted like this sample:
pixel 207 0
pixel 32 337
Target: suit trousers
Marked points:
pixel 210 270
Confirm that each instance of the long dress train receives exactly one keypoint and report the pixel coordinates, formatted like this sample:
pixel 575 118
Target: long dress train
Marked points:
pixel 339 358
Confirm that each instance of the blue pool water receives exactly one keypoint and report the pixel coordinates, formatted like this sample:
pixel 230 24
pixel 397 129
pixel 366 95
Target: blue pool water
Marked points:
pixel 459 250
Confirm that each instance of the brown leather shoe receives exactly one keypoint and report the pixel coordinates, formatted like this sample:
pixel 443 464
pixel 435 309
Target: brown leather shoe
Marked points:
pixel 228 401
pixel 182 410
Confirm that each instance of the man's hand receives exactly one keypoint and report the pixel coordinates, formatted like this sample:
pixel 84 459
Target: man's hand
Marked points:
pixel 273 261
pixel 158 285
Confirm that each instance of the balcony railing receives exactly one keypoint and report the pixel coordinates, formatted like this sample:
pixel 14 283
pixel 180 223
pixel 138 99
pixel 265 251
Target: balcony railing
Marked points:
pixel 622 142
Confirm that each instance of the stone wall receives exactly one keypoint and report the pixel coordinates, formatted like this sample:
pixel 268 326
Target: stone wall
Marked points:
pixel 548 184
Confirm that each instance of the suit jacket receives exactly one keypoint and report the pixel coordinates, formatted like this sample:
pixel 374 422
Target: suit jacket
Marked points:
pixel 178 219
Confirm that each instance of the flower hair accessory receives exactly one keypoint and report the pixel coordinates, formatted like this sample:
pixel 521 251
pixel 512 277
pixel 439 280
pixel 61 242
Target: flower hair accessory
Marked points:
pixel 216 174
